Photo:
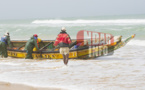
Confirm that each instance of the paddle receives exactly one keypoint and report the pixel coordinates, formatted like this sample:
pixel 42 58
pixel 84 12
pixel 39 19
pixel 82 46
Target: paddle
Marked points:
pixel 55 48
pixel 40 50
pixel 21 46
pixel 45 45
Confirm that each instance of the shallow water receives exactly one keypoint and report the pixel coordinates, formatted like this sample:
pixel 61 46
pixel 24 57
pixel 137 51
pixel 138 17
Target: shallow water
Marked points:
pixel 124 71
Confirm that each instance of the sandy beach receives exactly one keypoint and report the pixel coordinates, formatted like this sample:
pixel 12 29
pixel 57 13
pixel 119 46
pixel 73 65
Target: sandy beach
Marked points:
pixel 12 86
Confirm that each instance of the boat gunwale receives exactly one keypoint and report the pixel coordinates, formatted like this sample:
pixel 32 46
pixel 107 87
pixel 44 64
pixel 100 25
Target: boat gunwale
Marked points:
pixel 48 51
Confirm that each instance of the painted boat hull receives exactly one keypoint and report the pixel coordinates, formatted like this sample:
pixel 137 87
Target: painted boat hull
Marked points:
pixel 82 53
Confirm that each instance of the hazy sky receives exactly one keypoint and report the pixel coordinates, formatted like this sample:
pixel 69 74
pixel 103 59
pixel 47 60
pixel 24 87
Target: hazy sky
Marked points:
pixel 21 9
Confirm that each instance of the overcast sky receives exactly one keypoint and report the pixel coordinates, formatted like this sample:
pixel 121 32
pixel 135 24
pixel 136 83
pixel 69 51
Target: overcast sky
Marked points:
pixel 23 9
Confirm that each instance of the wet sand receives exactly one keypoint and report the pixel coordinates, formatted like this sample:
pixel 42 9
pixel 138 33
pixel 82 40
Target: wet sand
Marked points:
pixel 12 86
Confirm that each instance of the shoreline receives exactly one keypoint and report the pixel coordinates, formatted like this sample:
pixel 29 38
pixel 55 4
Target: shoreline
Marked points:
pixel 14 86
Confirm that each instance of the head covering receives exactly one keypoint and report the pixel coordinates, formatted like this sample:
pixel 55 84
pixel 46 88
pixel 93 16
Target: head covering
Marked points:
pixel 7 34
pixel 63 29
pixel 35 35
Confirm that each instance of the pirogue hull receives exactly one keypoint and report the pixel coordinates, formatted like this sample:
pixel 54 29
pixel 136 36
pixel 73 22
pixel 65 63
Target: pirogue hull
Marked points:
pixel 51 52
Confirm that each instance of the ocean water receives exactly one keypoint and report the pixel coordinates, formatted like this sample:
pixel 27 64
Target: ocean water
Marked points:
pixel 124 70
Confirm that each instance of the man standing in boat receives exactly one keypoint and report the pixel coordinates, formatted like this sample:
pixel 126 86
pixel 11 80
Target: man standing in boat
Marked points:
pixel 30 45
pixel 5 40
pixel 63 40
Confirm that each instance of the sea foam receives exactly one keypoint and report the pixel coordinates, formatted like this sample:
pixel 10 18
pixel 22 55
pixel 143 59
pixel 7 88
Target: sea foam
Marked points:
pixel 137 42
pixel 117 21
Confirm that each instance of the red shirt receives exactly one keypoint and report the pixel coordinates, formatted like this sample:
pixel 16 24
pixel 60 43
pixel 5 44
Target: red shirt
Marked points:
pixel 62 38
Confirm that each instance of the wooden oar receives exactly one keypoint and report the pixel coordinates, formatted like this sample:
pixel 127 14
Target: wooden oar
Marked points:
pixel 40 50
pixel 72 44
pixel 21 46
pixel 45 45
pixel 55 48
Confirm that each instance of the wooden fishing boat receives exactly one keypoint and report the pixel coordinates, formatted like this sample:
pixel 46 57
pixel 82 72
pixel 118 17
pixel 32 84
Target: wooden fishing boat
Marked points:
pixel 48 51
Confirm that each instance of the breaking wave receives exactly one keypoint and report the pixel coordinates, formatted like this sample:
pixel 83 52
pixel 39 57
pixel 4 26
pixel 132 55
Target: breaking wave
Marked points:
pixel 79 21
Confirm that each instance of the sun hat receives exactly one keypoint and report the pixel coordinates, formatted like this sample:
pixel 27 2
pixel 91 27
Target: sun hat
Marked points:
pixel 7 33
pixel 63 29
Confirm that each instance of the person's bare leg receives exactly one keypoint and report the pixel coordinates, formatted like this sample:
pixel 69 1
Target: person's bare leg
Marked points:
pixel 66 59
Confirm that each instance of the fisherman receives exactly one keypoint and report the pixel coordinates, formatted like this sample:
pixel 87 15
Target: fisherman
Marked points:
pixel 32 42
pixel 5 40
pixel 63 40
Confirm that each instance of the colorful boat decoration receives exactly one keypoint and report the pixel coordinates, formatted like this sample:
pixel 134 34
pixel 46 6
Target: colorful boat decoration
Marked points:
pixel 48 51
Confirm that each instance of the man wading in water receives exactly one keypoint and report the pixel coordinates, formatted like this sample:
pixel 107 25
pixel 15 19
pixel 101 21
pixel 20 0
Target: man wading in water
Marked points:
pixel 31 43
pixel 63 40
pixel 5 40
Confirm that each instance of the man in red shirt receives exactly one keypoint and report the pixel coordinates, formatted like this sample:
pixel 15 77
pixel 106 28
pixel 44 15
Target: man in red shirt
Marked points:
pixel 63 40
